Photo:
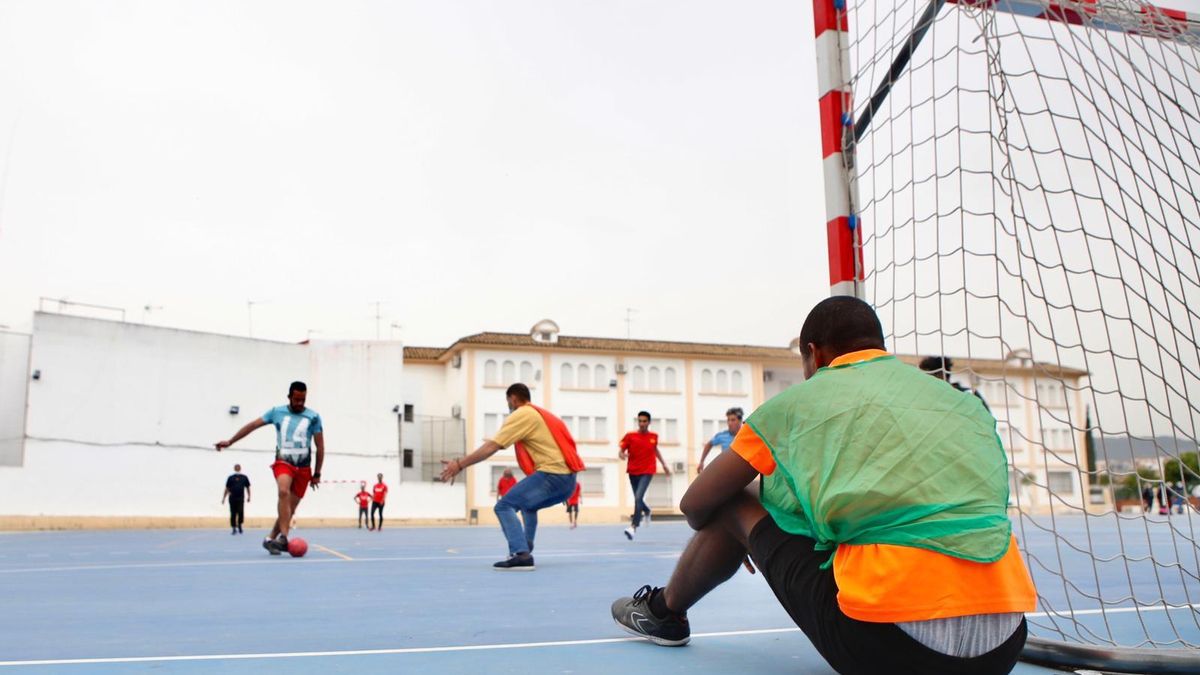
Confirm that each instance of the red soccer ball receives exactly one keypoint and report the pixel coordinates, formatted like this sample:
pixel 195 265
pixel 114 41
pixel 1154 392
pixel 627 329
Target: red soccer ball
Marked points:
pixel 297 547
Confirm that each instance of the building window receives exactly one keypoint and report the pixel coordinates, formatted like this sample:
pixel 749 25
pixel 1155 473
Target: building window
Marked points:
pixel 706 380
pixel 591 482
pixel 527 373
pixel 671 430
pixel 707 430
pixel 491 423
pixel 736 382
pixel 408 458
pixel 585 428
pixel 639 378
pixel 722 381
pixel 509 373
pixel 490 374
pixel 408 412
pixel 1060 482
pixel 601 429
pixel 655 382
pixel 670 381
pixel 585 375
pixel 567 377
pixel 569 420
pixel 601 377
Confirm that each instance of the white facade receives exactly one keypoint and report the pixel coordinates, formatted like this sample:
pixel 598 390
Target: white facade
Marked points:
pixel 123 417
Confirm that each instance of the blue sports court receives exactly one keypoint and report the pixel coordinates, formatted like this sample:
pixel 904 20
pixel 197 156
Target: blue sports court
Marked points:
pixel 421 600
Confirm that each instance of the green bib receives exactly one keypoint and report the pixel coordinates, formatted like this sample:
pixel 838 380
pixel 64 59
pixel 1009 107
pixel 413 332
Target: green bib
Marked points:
pixel 879 452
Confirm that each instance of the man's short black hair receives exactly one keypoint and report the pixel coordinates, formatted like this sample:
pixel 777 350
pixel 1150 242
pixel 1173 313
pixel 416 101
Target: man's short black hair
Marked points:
pixel 520 391
pixel 643 413
pixel 297 386
pixel 841 324
pixel 735 411
pixel 937 365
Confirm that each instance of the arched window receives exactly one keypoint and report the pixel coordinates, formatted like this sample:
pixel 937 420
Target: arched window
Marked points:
pixel 567 376
pixel 527 373
pixel 639 378
pixel 670 383
pixel 722 381
pixel 489 372
pixel 601 377
pixel 585 375
pixel 735 382
pixel 509 373
pixel 655 379
pixel 706 380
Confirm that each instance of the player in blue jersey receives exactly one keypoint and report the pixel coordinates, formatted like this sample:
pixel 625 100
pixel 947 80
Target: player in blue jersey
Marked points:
pixel 724 438
pixel 297 428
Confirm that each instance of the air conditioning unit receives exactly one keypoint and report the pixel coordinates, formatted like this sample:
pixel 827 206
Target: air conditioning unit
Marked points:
pixel 456 411
pixel 456 361
pixel 679 467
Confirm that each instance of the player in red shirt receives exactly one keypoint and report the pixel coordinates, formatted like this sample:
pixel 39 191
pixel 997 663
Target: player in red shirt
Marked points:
pixel 378 497
pixel 507 481
pixel 573 506
pixel 363 498
pixel 640 448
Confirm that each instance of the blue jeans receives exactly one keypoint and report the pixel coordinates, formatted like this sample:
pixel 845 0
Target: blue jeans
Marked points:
pixel 640 484
pixel 533 492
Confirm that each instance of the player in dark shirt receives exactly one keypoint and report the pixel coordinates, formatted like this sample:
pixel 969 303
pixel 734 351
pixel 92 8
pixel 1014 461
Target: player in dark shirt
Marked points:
pixel 237 489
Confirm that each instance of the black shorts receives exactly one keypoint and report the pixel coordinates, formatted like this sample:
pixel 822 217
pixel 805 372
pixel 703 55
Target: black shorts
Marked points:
pixel 572 508
pixel 792 568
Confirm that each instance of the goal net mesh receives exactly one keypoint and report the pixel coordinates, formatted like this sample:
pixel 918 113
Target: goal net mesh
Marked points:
pixel 1026 195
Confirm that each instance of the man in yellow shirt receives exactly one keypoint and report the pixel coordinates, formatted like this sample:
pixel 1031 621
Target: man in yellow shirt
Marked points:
pixel 546 453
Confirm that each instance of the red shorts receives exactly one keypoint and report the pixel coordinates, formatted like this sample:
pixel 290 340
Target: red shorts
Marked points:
pixel 300 477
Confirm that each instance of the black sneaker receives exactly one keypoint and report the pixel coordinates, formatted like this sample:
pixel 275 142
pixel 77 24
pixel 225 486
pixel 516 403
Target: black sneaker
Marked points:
pixel 240 530
pixel 276 546
pixel 634 615
pixel 518 562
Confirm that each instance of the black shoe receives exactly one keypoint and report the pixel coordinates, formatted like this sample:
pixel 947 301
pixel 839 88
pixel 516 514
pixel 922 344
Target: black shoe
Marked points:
pixel 240 530
pixel 634 615
pixel 518 562
pixel 234 531
pixel 277 545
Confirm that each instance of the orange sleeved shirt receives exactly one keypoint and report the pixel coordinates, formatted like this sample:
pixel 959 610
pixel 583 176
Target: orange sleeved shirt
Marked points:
pixel 885 583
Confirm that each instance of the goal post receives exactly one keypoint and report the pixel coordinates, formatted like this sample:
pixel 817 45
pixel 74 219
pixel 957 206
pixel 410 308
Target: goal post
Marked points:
pixel 1016 184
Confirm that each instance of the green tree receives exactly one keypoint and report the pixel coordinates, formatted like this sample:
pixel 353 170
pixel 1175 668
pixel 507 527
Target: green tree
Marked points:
pixel 1130 486
pixel 1186 471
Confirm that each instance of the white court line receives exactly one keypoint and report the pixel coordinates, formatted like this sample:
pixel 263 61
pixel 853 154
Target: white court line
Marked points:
pixel 374 652
pixel 316 561
pixel 460 648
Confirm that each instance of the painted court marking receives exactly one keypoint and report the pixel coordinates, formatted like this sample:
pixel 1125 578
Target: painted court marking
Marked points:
pixel 459 648
pixel 268 561
pixel 330 551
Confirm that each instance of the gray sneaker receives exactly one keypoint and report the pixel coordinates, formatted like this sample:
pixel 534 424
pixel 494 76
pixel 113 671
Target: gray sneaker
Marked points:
pixel 634 615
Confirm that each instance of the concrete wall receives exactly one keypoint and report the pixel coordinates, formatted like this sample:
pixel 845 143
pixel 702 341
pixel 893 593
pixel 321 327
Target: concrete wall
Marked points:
pixel 14 383
pixel 123 418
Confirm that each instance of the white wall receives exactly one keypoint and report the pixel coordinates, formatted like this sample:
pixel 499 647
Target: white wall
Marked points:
pixel 14 381
pixel 123 420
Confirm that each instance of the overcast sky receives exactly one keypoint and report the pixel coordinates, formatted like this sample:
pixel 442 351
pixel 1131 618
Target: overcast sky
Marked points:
pixel 472 165
pixel 469 165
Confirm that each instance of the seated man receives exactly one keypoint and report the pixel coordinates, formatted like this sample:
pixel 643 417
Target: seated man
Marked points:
pixel 881 524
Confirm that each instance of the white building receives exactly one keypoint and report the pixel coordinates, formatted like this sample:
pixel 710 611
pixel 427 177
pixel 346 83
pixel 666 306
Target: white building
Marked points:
pixel 117 420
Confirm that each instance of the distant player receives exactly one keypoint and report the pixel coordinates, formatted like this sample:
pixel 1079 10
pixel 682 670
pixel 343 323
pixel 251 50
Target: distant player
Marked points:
pixel 640 449
pixel 296 429
pixel 507 481
pixel 724 438
pixel 364 499
pixel 573 506
pixel 237 489
pixel 940 367
pixel 546 453
pixel 378 497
